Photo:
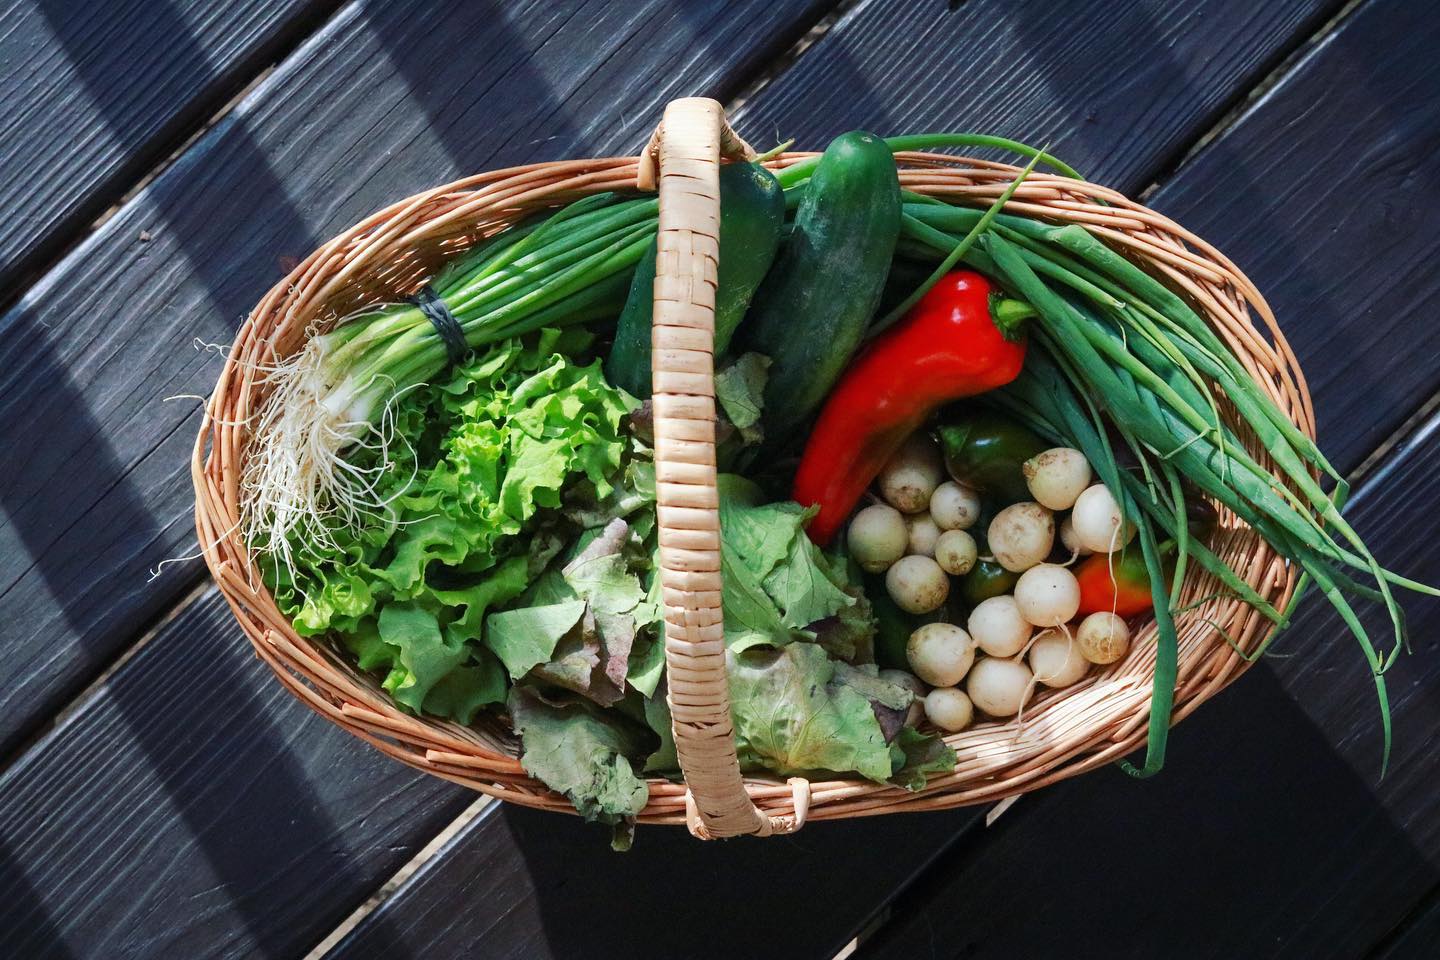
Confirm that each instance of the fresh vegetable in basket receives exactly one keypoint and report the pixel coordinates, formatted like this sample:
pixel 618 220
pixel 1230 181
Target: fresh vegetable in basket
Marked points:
pixel 498 465
pixel 1119 351
pixel 961 339
pixel 987 452
pixel 813 309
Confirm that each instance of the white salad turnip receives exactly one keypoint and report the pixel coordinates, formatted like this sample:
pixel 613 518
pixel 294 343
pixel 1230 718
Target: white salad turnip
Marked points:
pixel 1070 541
pixel 1055 659
pixel 877 537
pixel 912 683
pixel 1098 523
pixel 949 709
pixel 1103 637
pixel 912 475
pixel 1047 595
pixel 940 654
pixel 923 534
pixel 917 584
pixel 1056 477
pixel 999 686
pixel 955 506
pixel 997 626
pixel 956 552
pixel 1021 535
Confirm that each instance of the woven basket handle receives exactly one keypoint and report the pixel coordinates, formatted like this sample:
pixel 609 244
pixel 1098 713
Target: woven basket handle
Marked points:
pixel 686 148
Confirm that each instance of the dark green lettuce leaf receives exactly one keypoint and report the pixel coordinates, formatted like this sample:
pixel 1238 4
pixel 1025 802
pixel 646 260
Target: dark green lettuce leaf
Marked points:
pixel 464 691
pixel 916 756
pixel 587 754
pixel 657 715
pixel 739 389
pixel 526 637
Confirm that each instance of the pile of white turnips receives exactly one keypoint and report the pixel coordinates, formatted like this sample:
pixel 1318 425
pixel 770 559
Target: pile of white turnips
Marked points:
pixel 917 533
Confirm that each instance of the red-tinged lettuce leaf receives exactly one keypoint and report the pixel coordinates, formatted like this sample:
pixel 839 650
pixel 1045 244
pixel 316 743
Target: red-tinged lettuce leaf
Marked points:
pixel 890 701
pixel 587 754
pixel 916 756
pixel 792 718
pixel 605 581
pixel 850 634
pixel 592 659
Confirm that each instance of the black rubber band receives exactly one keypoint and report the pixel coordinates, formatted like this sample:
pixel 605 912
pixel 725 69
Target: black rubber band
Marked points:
pixel 444 323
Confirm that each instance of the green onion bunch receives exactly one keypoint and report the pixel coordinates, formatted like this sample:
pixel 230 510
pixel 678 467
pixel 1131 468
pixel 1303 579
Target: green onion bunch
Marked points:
pixel 1122 356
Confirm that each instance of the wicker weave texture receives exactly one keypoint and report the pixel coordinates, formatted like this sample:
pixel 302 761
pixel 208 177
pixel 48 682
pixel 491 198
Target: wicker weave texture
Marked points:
pixel 1063 732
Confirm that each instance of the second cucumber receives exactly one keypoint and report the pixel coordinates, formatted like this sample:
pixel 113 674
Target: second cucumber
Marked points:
pixel 813 309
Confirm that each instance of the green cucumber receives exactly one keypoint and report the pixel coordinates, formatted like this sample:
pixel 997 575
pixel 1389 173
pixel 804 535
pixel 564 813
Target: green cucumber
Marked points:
pixel 752 211
pixel 811 312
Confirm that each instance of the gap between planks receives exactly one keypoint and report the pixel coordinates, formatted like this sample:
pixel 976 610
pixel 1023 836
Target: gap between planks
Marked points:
pixel 391 886
pixel 1284 66
pixel 87 693
pixel 775 68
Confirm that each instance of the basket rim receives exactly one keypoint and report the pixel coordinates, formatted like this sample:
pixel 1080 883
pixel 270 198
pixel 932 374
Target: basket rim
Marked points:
pixel 1107 711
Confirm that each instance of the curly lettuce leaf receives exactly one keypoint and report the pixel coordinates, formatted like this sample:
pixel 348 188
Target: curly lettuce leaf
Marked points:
pixel 474 486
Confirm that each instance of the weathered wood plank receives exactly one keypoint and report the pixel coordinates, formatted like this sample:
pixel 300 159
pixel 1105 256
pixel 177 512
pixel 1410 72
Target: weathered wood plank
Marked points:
pixel 192 808
pixel 442 908
pixel 97 93
pixel 387 100
pixel 1317 194
pixel 1117 89
pixel 535 885
pixel 1270 835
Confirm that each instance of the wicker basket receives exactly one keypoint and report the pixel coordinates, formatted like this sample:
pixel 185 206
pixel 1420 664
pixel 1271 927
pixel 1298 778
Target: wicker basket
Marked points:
pixel 391 253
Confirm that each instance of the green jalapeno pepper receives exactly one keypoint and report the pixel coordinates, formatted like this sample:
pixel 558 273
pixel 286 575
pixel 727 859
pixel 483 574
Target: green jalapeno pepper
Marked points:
pixel 986 450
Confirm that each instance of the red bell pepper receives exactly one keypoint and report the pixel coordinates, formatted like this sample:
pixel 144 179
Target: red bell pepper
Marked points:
pixel 1114 583
pixel 959 340
pixel 1123 586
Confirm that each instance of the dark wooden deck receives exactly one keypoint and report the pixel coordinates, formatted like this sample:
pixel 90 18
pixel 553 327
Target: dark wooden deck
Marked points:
pixel 163 161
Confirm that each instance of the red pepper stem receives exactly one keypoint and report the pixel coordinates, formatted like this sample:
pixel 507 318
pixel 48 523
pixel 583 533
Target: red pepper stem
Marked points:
pixel 1010 316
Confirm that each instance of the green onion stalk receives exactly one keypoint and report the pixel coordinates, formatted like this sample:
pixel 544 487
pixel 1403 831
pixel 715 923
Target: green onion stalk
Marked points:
pixel 1122 355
